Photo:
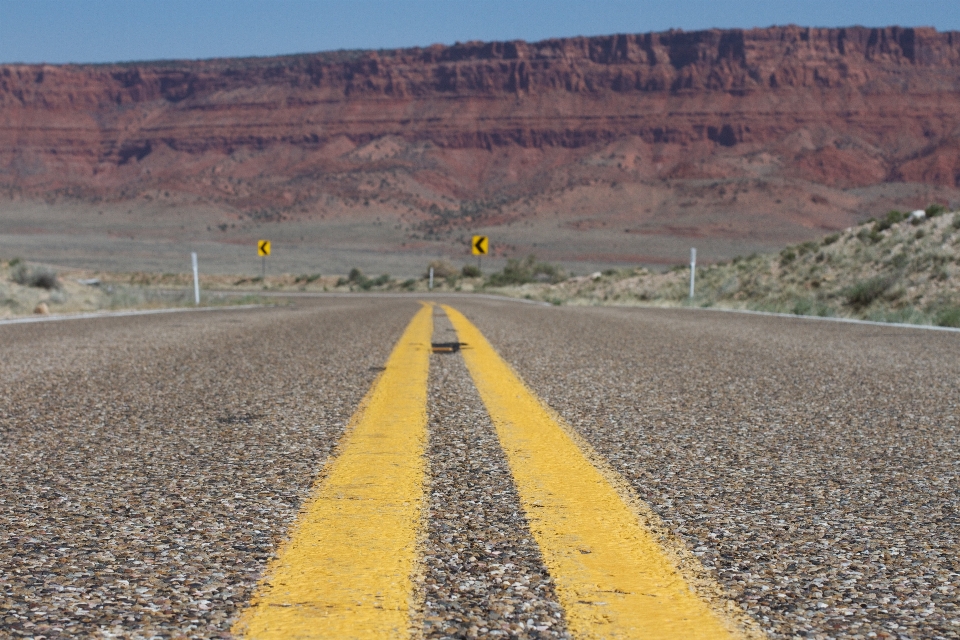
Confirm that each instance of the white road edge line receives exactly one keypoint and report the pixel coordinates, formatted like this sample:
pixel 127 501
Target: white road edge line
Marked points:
pixel 358 294
pixel 301 294
pixel 875 323
pixel 120 314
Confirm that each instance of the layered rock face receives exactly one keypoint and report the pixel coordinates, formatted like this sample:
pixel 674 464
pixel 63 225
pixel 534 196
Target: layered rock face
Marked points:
pixel 771 110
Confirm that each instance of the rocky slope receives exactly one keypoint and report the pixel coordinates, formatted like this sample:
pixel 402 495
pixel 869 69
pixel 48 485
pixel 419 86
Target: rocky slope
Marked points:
pixel 769 135
pixel 895 269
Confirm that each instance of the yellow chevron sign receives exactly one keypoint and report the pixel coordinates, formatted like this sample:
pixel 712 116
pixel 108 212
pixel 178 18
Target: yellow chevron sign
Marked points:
pixel 480 245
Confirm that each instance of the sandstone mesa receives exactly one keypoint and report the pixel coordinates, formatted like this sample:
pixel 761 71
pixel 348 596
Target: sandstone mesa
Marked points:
pixel 812 126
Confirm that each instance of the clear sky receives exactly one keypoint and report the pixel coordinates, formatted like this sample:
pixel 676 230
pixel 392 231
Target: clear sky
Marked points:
pixel 58 31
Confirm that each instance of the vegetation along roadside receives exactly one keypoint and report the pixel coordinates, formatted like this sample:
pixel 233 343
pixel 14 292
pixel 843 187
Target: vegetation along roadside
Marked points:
pixel 899 268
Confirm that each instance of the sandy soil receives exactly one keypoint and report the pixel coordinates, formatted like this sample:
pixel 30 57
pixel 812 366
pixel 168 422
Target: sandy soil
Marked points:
pixel 585 228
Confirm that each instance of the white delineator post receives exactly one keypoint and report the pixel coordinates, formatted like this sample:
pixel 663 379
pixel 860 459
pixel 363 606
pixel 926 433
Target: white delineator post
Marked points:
pixel 693 269
pixel 431 278
pixel 196 280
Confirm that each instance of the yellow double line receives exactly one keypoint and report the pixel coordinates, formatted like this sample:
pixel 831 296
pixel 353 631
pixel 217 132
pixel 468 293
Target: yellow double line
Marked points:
pixel 348 570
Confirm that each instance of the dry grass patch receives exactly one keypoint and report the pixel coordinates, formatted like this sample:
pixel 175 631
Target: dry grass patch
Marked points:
pixel 895 269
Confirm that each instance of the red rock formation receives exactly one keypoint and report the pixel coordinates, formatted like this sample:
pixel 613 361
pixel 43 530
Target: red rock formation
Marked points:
pixel 483 121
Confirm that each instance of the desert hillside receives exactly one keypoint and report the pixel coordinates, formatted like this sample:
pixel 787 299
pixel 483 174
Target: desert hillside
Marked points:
pixel 618 149
pixel 899 268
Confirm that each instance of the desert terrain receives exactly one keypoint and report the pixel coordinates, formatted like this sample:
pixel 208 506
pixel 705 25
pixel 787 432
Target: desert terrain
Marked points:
pixel 524 446
pixel 589 152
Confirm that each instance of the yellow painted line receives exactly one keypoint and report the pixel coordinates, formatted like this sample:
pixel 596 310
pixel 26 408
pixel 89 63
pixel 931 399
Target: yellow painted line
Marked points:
pixel 612 577
pixel 348 568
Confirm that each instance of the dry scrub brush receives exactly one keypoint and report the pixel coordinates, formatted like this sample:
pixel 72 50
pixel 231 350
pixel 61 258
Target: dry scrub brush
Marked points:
pixel 896 269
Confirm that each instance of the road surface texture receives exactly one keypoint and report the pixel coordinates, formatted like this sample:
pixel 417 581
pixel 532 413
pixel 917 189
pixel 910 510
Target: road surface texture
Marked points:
pixel 152 466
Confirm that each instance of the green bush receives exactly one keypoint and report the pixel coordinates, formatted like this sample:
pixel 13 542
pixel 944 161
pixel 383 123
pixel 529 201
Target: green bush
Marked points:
pixel 802 307
pixel 861 294
pixel 524 271
pixel 830 239
pixel 41 277
pixel 366 283
pixel 470 271
pixel 892 218
pixel 441 270
pixel 787 256
pixel 949 317
pixel 20 274
pixel 870 236
pixel 935 210
pixel 899 261
pixel 356 277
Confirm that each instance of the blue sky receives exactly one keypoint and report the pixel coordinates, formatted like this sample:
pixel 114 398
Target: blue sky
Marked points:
pixel 58 31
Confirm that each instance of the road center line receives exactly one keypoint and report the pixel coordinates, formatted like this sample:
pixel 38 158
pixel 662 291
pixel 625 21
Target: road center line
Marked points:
pixel 347 570
pixel 612 577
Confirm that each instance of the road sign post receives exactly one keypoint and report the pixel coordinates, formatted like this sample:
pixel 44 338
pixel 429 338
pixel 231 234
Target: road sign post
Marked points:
pixel 196 280
pixel 480 246
pixel 263 250
pixel 693 269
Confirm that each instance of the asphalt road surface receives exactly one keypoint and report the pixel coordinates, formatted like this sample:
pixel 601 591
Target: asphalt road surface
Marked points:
pixel 802 476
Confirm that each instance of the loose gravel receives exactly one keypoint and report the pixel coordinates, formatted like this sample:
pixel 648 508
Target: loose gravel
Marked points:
pixel 812 467
pixel 483 576
pixel 150 466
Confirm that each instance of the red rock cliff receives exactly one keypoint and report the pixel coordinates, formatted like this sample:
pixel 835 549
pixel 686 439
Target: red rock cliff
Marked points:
pixel 845 107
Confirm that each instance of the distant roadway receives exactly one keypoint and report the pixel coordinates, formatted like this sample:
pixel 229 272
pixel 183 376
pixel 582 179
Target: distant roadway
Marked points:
pixel 467 467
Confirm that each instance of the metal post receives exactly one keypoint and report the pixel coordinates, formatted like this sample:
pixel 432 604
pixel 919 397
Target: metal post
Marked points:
pixel 693 269
pixel 196 279
pixel 263 269
pixel 431 278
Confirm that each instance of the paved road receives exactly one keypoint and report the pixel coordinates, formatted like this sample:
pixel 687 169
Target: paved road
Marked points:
pixel 805 472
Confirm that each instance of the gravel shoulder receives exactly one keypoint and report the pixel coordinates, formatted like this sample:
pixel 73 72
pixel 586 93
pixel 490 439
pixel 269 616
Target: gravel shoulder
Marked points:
pixel 812 467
